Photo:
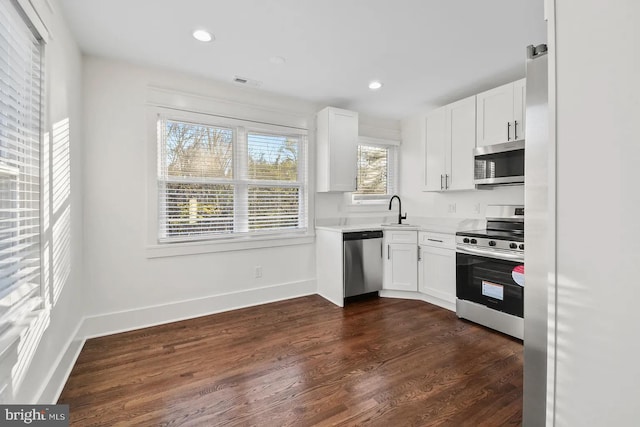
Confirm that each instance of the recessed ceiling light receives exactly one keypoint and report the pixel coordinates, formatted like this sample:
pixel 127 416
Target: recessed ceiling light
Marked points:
pixel 278 60
pixel 375 85
pixel 202 35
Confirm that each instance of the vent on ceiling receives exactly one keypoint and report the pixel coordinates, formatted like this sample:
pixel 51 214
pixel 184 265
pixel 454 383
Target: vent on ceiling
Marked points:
pixel 246 82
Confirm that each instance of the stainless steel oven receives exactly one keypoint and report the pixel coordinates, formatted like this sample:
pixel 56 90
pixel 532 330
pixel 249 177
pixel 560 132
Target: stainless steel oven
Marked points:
pixel 490 272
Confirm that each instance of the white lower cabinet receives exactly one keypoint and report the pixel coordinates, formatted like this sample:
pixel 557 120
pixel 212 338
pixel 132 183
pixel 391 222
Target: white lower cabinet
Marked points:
pixel 437 267
pixel 400 261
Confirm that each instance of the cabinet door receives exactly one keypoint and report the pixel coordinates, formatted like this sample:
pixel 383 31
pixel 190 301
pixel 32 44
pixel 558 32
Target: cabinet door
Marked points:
pixel 434 150
pixel 519 108
pixel 400 267
pixel 437 273
pixel 495 116
pixel 337 146
pixel 343 130
pixel 461 137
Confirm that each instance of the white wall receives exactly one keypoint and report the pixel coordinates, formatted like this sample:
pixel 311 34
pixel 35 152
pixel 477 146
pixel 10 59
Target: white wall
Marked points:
pixel 467 204
pixel 126 289
pixel 598 200
pixel 63 235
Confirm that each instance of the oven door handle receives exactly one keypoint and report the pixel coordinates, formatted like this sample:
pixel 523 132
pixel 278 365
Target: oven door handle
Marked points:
pixel 506 256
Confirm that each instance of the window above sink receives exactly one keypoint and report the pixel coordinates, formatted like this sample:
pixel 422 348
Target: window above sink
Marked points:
pixel 377 171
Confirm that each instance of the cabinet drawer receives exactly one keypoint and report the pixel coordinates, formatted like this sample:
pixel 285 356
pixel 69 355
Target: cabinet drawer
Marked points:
pixel 394 236
pixel 438 240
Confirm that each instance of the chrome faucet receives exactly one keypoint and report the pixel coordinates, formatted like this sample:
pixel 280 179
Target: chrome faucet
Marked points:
pixel 400 216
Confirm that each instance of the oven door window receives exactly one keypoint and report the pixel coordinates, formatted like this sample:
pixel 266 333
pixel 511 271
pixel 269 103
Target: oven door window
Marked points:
pixel 489 282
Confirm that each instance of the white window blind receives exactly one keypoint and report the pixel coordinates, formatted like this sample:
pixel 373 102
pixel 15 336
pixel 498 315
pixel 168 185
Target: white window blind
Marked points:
pixel 195 184
pixel 276 181
pixel 376 172
pixel 227 181
pixel 21 72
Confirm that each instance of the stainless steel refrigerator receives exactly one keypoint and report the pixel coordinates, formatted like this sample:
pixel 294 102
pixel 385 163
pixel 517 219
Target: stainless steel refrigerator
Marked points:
pixel 540 263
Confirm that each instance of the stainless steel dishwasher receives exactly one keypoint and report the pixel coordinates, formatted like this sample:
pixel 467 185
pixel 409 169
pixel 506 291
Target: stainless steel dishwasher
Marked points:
pixel 362 262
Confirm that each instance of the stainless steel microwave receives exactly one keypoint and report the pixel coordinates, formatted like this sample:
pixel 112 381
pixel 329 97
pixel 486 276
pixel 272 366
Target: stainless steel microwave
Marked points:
pixel 499 164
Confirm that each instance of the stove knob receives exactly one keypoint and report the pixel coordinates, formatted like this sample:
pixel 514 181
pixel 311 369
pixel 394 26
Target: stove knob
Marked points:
pixel 513 246
pixel 492 243
pixel 473 241
pixel 465 240
pixel 522 246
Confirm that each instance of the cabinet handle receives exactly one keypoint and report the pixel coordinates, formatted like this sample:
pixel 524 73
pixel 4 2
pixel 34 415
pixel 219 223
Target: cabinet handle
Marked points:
pixel 515 129
pixel 419 253
pixel 441 186
pixel 508 131
pixel 388 252
pixel 435 240
pixel 446 182
pixel 356 183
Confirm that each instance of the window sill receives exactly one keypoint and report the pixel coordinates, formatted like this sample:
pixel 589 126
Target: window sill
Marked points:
pixel 236 244
pixel 380 202
pixel 363 205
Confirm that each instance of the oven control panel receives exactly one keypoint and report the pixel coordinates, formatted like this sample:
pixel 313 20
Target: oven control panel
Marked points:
pixel 482 242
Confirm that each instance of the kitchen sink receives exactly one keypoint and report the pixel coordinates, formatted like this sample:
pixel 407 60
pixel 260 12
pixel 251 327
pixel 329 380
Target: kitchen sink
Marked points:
pixel 395 224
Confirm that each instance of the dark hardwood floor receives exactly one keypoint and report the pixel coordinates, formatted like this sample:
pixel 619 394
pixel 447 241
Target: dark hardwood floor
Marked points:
pixel 302 362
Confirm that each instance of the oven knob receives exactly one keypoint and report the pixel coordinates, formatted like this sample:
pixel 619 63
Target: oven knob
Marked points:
pixel 492 243
pixel 522 246
pixel 473 241
pixel 465 240
pixel 513 246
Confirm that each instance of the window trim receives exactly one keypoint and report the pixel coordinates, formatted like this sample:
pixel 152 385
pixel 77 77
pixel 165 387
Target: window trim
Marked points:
pixel 226 242
pixel 381 199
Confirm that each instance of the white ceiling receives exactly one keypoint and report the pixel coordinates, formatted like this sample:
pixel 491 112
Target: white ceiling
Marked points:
pixel 426 52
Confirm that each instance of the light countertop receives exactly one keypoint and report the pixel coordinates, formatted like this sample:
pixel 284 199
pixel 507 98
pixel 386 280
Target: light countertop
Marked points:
pixel 436 225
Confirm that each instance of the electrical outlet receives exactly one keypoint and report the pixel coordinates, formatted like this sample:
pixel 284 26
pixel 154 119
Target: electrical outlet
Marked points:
pixel 477 208
pixel 452 208
pixel 258 271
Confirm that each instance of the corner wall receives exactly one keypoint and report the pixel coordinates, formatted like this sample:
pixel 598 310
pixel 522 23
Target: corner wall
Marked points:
pixel 127 288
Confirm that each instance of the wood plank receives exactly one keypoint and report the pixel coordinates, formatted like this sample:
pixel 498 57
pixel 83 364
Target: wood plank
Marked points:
pixel 302 362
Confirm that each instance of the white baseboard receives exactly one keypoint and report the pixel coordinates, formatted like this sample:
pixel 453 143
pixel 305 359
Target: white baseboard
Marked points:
pixel 58 379
pixel 61 368
pixel 449 305
pixel 113 323
pixel 339 303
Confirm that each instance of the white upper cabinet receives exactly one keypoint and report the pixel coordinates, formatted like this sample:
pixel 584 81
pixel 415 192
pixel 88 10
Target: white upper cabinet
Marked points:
pixel 450 138
pixel 519 107
pixel 435 149
pixel 500 114
pixel 337 147
pixel 461 135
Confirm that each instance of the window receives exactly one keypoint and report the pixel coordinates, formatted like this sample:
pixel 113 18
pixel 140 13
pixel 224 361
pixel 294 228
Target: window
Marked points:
pixel 21 86
pixel 376 171
pixel 217 181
